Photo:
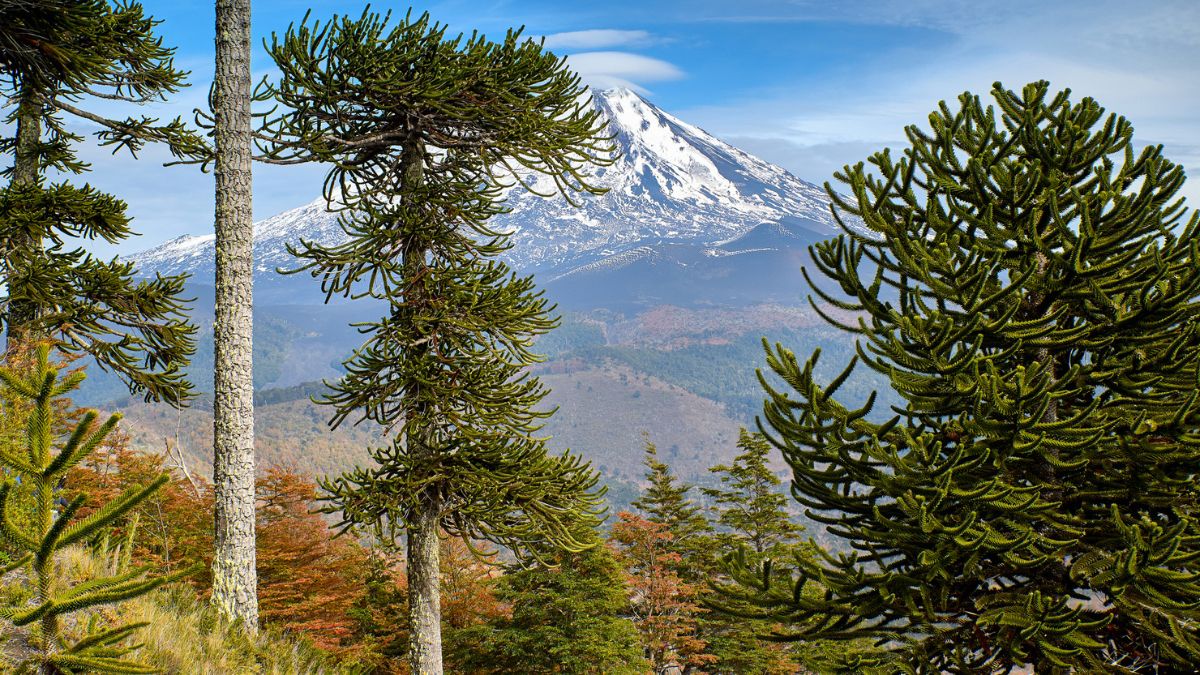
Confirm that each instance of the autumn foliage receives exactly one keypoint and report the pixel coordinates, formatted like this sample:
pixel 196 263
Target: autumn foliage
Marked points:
pixel 308 579
pixel 664 606
pixel 350 600
pixel 468 601
pixel 174 525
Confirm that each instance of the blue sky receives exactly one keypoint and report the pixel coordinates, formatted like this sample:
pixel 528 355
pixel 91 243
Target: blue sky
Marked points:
pixel 809 85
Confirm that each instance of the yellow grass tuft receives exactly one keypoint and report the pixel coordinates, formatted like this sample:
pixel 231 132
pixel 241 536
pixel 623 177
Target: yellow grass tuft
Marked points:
pixel 185 636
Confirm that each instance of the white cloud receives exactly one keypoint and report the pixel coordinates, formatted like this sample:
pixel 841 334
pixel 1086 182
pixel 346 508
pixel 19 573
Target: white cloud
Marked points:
pixel 1172 20
pixel 599 38
pixel 603 70
pixel 1140 64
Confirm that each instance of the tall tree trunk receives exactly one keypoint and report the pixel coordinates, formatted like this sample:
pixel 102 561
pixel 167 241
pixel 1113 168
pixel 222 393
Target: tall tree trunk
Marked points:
pixel 29 132
pixel 234 574
pixel 19 315
pixel 423 525
pixel 1055 576
pixel 424 591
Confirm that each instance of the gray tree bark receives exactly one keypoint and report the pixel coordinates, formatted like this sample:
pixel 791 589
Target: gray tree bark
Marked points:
pixel 235 578
pixel 424 592
pixel 19 315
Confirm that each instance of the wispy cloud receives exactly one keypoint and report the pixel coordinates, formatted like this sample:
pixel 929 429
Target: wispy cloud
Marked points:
pixel 1140 64
pixel 603 70
pixel 1164 17
pixel 598 38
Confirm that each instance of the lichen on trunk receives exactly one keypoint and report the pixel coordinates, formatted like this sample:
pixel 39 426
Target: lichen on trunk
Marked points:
pixel 424 592
pixel 234 574
pixel 20 314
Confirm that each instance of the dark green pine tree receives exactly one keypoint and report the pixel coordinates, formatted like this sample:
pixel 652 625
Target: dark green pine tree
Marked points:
pixel 57 58
pixel 666 501
pixel 566 618
pixel 42 463
pixel 380 612
pixel 422 133
pixel 1028 283
pixel 750 508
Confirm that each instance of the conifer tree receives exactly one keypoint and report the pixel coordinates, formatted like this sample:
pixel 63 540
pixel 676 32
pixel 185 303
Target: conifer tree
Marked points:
pixel 422 133
pixel 567 618
pixel 750 511
pixel 750 508
pixel 666 501
pixel 1029 283
pixel 57 59
pixel 43 462
pixel 380 612
pixel 691 550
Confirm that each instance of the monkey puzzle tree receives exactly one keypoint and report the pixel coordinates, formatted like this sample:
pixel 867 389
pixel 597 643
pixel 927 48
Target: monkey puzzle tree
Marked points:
pixel 42 462
pixel 1034 500
pixel 56 58
pixel 423 133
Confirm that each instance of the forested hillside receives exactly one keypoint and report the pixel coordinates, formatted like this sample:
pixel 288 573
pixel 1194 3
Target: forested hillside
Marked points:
pixel 613 378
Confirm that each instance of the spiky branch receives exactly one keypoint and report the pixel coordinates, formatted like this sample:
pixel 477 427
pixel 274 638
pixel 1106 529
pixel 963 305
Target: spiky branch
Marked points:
pixel 40 465
pixel 1031 293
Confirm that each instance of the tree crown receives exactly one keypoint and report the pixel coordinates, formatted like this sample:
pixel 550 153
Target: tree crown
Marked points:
pixel 1029 284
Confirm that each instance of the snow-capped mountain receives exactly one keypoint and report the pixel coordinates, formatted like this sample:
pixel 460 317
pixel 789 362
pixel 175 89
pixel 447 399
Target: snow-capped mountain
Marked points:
pixel 674 183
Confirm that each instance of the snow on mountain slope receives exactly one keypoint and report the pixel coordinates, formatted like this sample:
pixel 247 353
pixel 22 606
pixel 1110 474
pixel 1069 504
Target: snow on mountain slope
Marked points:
pixel 674 182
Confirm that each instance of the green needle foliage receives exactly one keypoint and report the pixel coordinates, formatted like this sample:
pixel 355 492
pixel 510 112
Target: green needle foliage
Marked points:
pixel 567 619
pixel 751 513
pixel 423 133
pixel 750 507
pixel 55 55
pixel 1034 501
pixel 417 128
pixel 43 463
pixel 666 501
pixel 136 328
pixel 57 58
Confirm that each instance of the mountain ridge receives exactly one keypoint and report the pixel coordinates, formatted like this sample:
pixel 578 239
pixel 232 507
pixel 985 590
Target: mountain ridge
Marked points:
pixel 674 183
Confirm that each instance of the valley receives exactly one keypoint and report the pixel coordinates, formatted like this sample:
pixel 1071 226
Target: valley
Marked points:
pixel 666 285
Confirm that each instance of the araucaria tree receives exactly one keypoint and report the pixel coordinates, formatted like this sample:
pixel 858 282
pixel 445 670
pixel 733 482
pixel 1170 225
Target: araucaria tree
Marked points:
pixel 234 577
pixel 57 59
pixel 422 133
pixel 42 462
pixel 1033 299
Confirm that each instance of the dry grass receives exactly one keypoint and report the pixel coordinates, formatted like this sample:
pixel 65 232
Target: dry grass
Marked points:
pixel 184 635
